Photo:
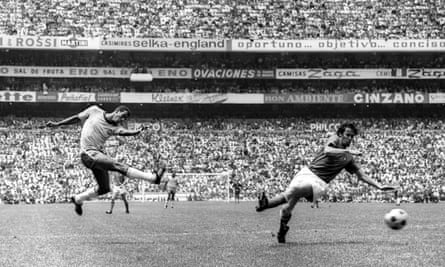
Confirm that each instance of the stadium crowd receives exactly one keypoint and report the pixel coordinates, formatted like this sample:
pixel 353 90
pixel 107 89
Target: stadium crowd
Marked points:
pixel 303 19
pixel 43 166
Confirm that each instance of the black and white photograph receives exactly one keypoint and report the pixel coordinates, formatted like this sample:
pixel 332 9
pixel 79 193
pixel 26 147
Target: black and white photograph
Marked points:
pixel 222 133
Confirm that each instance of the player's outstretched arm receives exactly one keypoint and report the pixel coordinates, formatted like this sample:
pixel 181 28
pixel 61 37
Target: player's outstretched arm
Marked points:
pixel 365 178
pixel 334 150
pixel 127 132
pixel 70 120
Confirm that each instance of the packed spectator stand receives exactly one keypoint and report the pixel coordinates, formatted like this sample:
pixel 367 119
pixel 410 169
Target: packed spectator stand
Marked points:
pixel 226 19
pixel 43 166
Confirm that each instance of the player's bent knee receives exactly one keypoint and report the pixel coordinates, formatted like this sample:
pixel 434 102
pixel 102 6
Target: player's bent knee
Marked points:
pixel 299 191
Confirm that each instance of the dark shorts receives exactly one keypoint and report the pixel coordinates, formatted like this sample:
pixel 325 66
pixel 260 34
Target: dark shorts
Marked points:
pixel 93 159
pixel 99 163
pixel 171 194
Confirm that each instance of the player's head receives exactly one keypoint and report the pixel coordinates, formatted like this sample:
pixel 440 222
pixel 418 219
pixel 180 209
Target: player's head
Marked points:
pixel 346 133
pixel 120 114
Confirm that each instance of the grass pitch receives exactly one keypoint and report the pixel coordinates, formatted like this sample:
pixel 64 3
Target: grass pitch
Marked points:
pixel 218 234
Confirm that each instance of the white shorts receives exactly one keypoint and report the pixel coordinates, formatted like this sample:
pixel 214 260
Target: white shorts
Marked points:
pixel 117 191
pixel 303 178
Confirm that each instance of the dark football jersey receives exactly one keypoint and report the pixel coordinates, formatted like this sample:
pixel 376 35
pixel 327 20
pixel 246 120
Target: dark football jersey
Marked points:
pixel 327 165
pixel 237 187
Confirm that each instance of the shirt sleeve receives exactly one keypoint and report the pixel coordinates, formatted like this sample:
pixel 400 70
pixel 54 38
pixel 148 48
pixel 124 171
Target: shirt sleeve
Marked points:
pixel 87 112
pixel 118 129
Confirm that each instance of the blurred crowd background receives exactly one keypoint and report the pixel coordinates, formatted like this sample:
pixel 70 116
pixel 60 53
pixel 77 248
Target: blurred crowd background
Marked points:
pixel 43 166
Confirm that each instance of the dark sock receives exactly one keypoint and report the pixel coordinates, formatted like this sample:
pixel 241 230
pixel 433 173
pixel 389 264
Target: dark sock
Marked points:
pixel 285 219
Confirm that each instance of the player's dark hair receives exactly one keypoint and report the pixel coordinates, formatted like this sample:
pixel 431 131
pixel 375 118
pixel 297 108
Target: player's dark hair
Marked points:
pixel 341 129
pixel 123 108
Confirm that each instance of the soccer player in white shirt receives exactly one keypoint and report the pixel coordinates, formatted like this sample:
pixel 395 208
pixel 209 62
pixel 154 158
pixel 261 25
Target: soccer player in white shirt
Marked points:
pixel 97 127
pixel 119 190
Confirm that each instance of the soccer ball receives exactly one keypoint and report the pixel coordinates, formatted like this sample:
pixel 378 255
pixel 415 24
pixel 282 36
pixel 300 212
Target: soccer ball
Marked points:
pixel 396 219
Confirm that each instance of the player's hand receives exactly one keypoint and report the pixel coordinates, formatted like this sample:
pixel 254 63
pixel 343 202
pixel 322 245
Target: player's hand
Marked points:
pixel 355 152
pixel 51 124
pixel 141 128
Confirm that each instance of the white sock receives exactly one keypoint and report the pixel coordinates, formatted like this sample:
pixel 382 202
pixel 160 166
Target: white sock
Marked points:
pixel 137 174
pixel 87 195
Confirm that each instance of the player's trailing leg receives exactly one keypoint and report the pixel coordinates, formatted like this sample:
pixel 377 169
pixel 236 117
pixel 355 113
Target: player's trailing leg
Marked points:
pixel 80 198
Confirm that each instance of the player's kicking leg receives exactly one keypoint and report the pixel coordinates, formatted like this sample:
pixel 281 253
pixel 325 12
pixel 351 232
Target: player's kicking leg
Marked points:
pixel 265 203
pixel 153 177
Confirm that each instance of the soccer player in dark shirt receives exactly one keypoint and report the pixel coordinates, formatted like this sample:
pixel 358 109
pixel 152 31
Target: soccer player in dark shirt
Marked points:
pixel 172 186
pixel 237 186
pixel 311 182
